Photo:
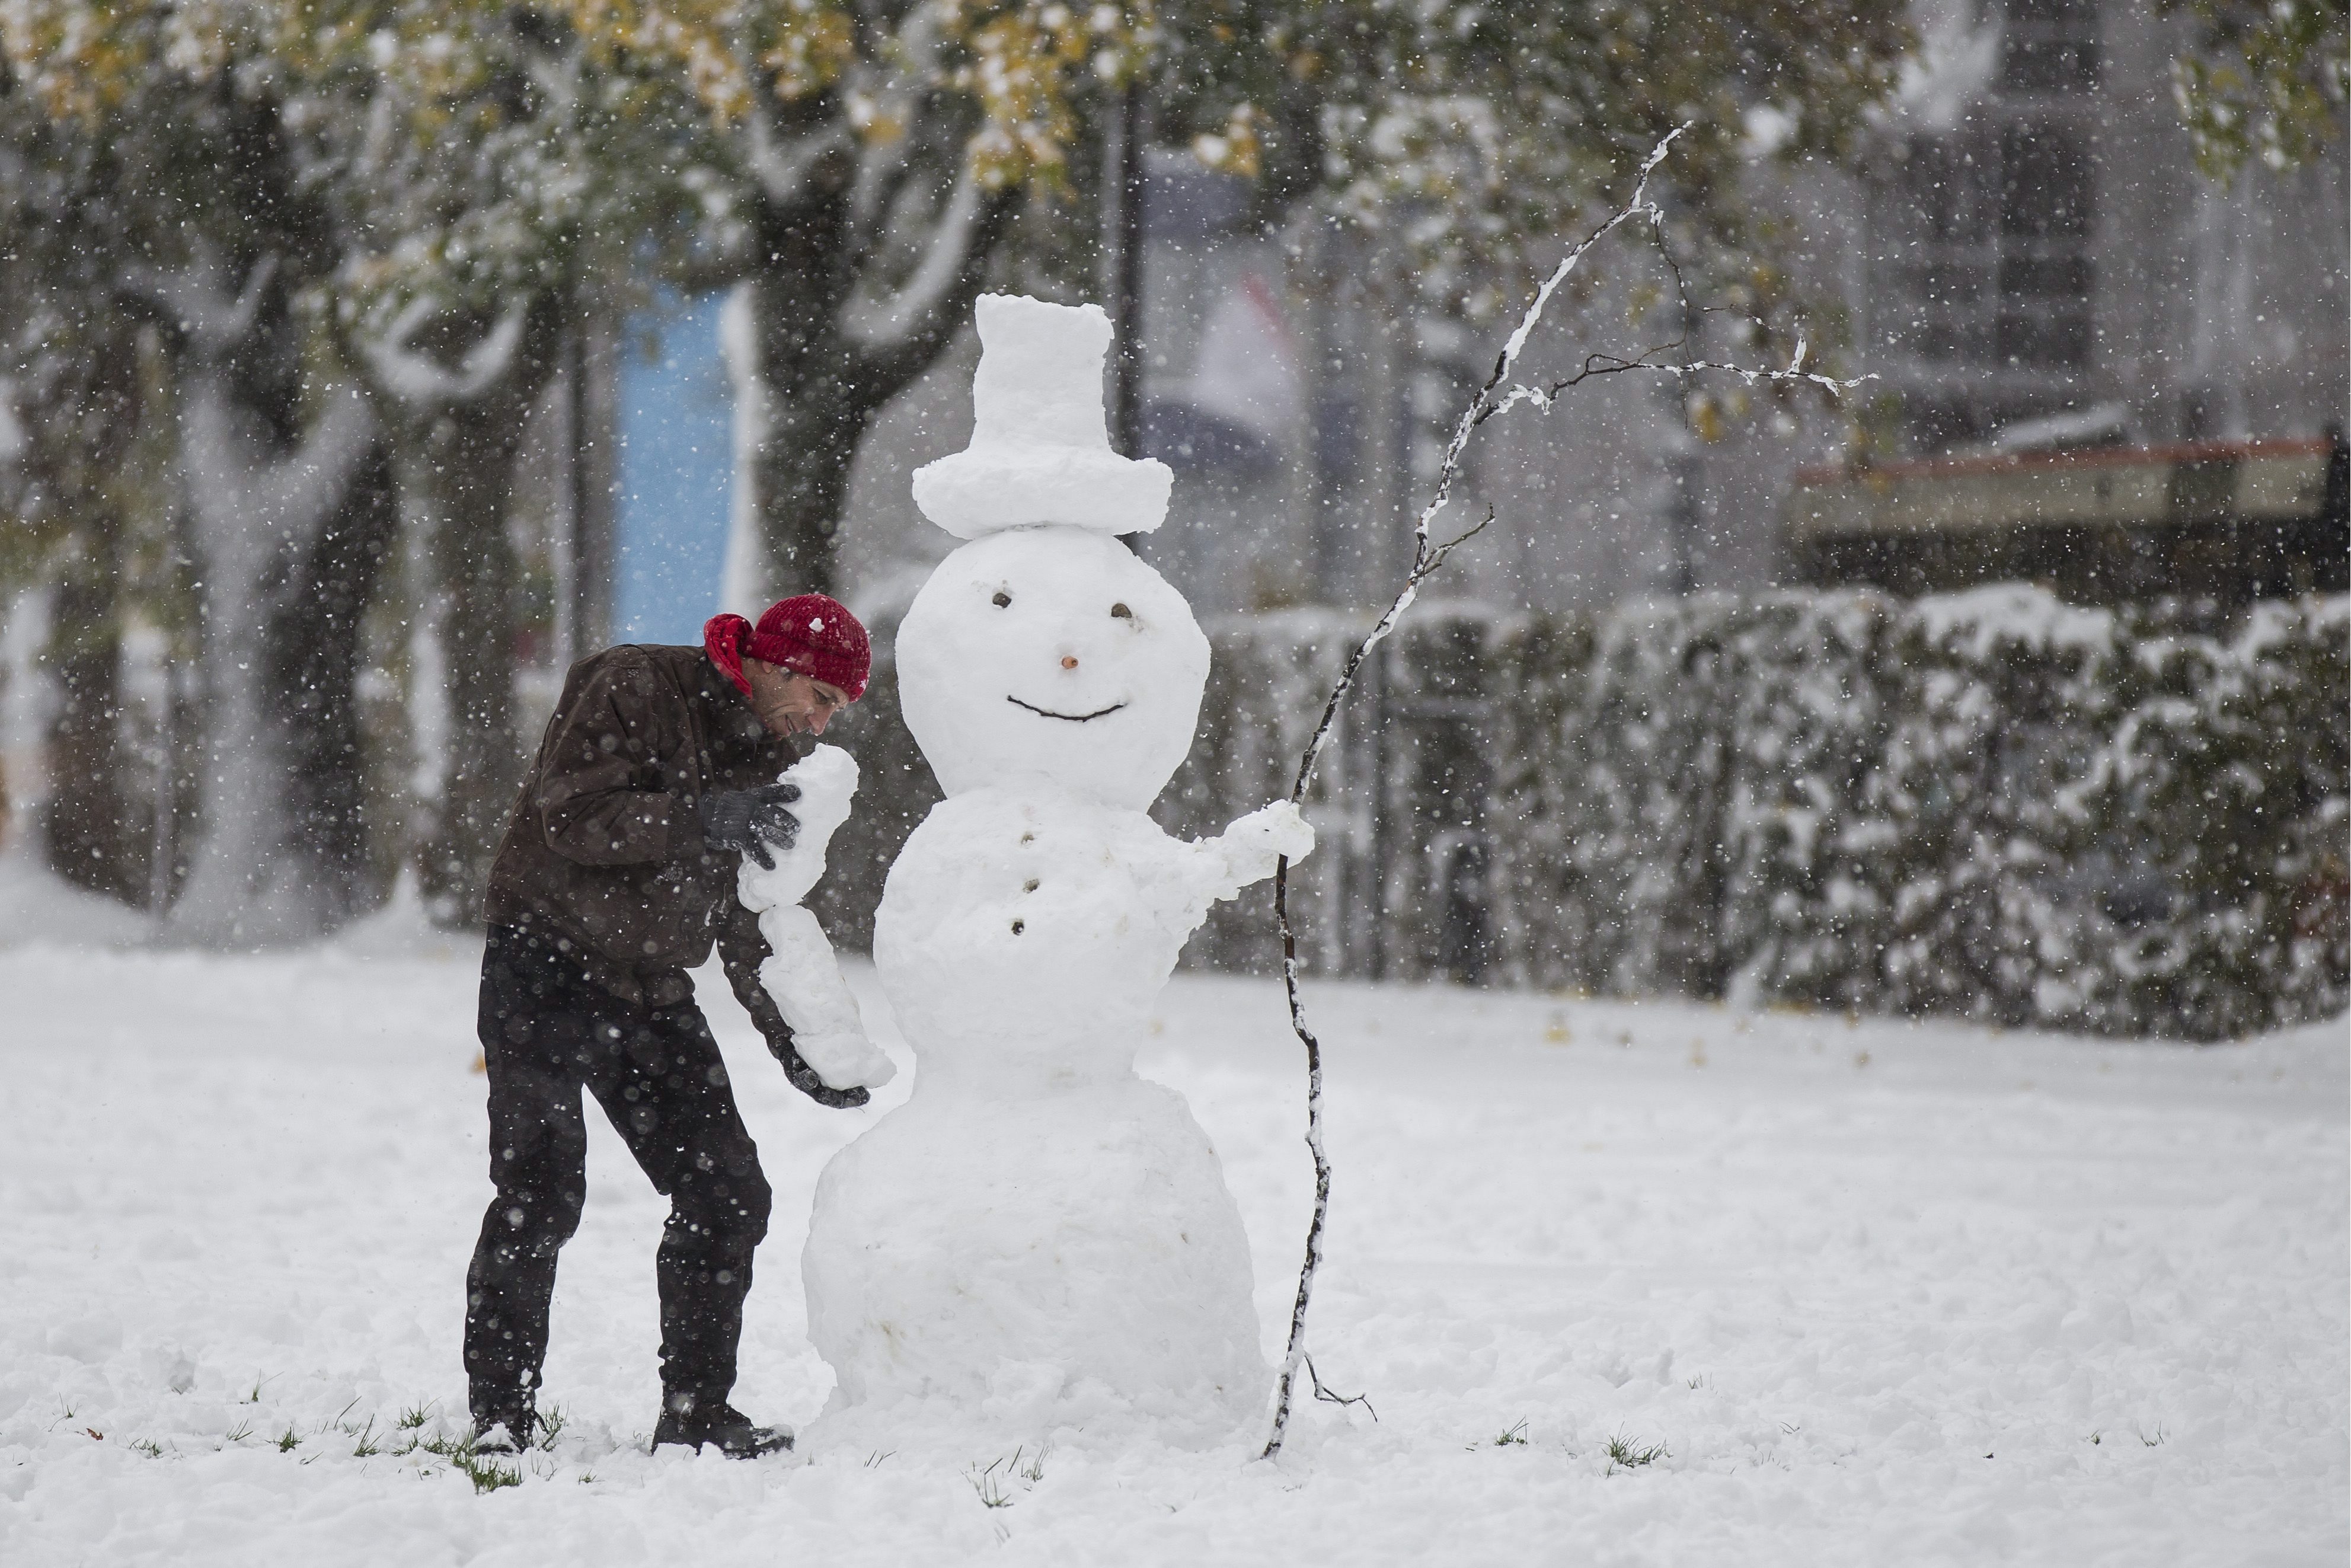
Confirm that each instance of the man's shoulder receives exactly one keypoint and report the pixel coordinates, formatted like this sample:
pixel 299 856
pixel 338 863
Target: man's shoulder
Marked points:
pixel 639 664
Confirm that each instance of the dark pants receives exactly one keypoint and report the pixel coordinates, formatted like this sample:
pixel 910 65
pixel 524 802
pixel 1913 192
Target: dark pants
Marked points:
pixel 545 1031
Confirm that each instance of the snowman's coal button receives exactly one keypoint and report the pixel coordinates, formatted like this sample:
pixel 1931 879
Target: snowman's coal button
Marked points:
pixel 1018 926
pixel 1028 886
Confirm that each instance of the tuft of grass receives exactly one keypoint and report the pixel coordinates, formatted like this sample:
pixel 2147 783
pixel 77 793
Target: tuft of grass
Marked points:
pixel 239 1433
pixel 487 1475
pixel 586 1478
pixel 443 1446
pixel 2152 1439
pixel 253 1394
pixel 367 1446
pixel 1513 1436
pixel 550 1426
pixel 286 1440
pixel 1628 1454
pixel 149 1447
pixel 874 1460
pixel 1034 1470
pixel 987 1484
pixel 415 1415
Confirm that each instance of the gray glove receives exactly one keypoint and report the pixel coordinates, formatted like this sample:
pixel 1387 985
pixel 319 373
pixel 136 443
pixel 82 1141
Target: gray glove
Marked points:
pixel 751 821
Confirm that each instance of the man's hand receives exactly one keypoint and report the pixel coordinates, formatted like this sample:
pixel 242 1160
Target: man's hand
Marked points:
pixel 804 1080
pixel 751 821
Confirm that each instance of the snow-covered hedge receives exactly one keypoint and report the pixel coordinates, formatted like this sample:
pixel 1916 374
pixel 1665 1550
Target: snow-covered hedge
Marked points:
pixel 1989 804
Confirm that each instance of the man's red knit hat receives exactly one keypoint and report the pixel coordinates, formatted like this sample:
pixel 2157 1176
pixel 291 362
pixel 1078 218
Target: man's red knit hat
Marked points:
pixel 809 633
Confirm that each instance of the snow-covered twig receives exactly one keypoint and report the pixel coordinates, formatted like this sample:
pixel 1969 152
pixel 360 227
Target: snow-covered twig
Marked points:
pixel 1496 397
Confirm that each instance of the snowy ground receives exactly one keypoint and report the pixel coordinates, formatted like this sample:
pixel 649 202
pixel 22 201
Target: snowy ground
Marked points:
pixel 1865 1294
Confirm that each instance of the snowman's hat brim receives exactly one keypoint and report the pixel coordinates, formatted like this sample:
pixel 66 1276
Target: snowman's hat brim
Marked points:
pixel 1007 486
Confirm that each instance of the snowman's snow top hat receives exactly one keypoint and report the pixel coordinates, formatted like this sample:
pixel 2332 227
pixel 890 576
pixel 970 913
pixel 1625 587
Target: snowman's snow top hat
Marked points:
pixel 1040 448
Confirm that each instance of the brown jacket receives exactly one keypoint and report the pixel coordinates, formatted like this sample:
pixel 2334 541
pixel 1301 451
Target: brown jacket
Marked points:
pixel 604 846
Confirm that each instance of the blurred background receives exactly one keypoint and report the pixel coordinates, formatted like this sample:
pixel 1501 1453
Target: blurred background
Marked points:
pixel 370 362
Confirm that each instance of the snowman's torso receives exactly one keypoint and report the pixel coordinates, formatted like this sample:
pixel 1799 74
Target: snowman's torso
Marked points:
pixel 1025 931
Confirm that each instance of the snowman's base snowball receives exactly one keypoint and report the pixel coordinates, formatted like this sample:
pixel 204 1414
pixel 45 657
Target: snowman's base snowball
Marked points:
pixel 1069 1263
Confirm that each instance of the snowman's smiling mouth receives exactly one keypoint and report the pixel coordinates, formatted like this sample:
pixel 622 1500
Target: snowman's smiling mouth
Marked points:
pixel 1067 717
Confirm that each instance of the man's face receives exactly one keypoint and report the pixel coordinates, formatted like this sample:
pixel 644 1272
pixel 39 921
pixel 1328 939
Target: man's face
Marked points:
pixel 789 702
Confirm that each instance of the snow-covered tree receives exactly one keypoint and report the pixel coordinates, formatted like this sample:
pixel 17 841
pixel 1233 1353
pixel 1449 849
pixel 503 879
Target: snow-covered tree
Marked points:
pixel 72 410
pixel 885 155
pixel 484 174
pixel 362 229
pixel 168 141
pixel 2263 80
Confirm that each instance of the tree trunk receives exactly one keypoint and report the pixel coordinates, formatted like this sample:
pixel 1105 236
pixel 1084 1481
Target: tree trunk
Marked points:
pixel 837 336
pixel 800 468
pixel 471 427
pixel 82 439
pixel 286 524
pixel 312 640
pixel 471 460
pixel 85 826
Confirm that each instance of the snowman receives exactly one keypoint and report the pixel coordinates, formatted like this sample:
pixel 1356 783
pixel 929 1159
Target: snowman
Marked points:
pixel 1039 1240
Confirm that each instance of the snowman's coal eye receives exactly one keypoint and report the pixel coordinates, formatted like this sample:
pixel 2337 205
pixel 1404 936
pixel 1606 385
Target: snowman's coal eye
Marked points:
pixel 1121 612
pixel 1001 599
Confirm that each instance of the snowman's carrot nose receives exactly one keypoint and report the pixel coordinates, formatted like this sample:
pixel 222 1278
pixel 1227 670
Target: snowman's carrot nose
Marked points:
pixel 1069 660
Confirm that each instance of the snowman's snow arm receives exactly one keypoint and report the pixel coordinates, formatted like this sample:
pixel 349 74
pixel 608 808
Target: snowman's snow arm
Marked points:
pixel 1249 851
pixel 795 979
pixel 744 952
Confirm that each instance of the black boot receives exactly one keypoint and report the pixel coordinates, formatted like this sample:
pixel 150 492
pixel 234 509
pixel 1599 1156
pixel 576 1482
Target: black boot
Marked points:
pixel 691 1423
pixel 507 1429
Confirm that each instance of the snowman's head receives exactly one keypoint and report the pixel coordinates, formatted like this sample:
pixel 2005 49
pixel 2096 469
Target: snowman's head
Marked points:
pixel 1052 651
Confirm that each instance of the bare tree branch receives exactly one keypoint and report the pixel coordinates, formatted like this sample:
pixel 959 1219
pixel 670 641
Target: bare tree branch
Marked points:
pixel 1496 397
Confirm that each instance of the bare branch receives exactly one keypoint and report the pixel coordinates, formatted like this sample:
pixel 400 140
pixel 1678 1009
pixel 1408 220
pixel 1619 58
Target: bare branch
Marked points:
pixel 1496 397
pixel 1328 1398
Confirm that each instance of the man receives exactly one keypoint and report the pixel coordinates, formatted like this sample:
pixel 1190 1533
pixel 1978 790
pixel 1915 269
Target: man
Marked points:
pixel 616 872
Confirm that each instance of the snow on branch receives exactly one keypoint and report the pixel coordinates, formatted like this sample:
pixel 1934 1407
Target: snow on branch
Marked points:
pixel 302 493
pixel 213 321
pixel 1496 396
pixel 916 312
pixel 784 165
pixel 410 376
